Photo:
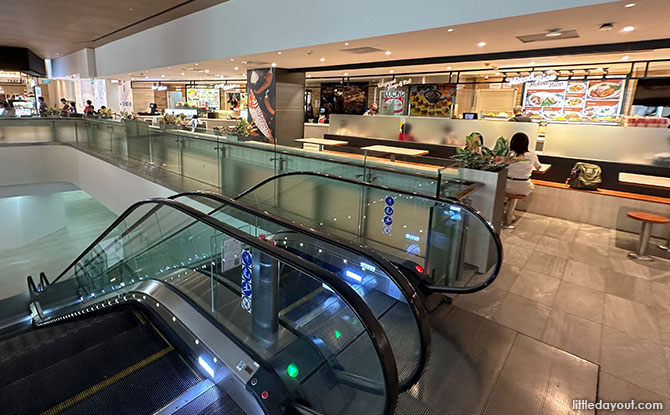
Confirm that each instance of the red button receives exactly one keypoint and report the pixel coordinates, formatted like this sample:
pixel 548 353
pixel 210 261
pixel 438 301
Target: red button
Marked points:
pixel 264 394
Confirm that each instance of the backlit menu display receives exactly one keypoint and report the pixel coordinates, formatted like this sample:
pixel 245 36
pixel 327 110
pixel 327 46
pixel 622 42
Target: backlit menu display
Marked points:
pixel 596 100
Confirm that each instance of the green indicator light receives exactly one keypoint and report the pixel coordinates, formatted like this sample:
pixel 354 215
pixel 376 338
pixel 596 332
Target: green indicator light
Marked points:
pixel 292 370
pixel 337 334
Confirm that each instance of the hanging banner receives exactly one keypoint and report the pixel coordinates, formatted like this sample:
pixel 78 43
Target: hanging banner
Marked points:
pixel 261 99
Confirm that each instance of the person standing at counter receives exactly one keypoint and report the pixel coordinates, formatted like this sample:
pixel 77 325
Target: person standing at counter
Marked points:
pixel 373 110
pixel 518 174
pixel 89 109
pixel 519 116
pixel 42 106
pixel 406 133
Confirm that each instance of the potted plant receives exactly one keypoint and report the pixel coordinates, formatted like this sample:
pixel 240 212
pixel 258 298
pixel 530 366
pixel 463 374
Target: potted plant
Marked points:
pixel 105 113
pixel 243 130
pixel 169 121
pixel 52 112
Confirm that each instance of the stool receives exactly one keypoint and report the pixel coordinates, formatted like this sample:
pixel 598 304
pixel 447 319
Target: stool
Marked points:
pixel 512 200
pixel 647 220
pixel 666 246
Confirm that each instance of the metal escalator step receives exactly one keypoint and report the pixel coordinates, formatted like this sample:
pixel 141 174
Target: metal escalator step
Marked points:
pixel 29 352
pixel 141 392
pixel 53 384
pixel 213 402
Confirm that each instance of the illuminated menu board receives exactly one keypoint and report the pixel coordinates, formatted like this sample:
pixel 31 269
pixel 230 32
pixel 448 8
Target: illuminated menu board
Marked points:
pixel 574 100
pixel 203 97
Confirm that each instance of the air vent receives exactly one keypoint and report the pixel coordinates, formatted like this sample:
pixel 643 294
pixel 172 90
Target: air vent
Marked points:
pixel 539 37
pixel 361 51
pixel 258 63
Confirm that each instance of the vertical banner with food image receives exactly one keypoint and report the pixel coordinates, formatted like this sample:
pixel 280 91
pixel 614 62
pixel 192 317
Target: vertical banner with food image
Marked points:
pixel 261 101
pixel 394 101
pixel 434 100
pixel 575 100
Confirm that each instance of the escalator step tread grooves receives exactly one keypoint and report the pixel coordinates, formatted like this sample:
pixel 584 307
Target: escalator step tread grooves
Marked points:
pixel 26 354
pixel 213 402
pixel 142 392
pixel 49 386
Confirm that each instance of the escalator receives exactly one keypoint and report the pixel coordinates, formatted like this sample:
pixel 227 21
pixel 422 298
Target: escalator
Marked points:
pixel 158 316
pixel 380 284
pixel 442 246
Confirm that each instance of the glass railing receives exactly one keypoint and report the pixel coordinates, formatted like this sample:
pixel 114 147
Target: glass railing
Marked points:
pixel 385 290
pixel 447 245
pixel 304 323
pixel 227 162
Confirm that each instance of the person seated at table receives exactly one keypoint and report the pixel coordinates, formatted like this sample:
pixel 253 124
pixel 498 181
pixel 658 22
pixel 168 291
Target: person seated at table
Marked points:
pixel 518 174
pixel 406 133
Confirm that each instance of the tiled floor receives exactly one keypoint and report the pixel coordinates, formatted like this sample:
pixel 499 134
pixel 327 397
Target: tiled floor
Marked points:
pixel 572 286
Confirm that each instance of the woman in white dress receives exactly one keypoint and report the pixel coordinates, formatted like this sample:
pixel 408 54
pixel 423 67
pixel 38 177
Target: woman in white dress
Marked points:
pixel 518 174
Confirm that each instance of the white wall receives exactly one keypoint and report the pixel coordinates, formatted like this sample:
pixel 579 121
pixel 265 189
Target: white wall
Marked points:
pixel 81 63
pixel 113 187
pixel 242 27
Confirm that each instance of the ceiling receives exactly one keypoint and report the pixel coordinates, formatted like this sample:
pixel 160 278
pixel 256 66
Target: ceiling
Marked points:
pixel 57 28
pixel 648 17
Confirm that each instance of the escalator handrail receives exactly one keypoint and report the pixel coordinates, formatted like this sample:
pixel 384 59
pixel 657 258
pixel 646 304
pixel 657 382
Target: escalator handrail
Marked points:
pixel 451 200
pixel 410 294
pixel 374 329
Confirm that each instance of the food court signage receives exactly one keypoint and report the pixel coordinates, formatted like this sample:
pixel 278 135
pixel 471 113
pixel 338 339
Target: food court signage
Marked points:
pixel 532 78
pixel 394 84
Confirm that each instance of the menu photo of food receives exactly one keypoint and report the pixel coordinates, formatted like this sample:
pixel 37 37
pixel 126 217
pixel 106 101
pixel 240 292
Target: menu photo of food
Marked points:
pixel 605 90
pixel 433 100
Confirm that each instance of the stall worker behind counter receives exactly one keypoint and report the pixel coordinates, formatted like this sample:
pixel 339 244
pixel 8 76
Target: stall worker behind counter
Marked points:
pixel 519 116
pixel 373 110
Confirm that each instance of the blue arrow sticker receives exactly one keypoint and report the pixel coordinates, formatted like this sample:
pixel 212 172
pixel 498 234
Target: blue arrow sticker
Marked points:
pixel 246 273
pixel 246 288
pixel 246 258
pixel 388 210
pixel 388 220
pixel 390 201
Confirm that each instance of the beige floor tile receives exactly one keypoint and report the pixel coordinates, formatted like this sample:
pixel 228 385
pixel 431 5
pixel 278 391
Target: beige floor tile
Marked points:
pixel 630 317
pixel 516 255
pixel 591 255
pixel 582 301
pixel 547 264
pixel 555 246
pixel 585 275
pixel 561 229
pixel 573 334
pixel 634 360
pixel 507 277
pixel 484 303
pixel 523 315
pixel 537 287
pixel 613 389
pixel 630 267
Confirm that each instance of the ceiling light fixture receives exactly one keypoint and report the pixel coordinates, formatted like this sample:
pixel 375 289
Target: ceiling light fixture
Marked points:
pixel 346 74
pixel 274 64
pixel 391 71
pixel 206 70
pixel 232 59
pixel 162 76
pixel 388 52
pixel 346 43
pixel 625 58
pixel 278 53
pixel 196 64
pixel 628 29
pixel 182 74
pixel 553 33
pixel 236 68
pixel 606 26
pixel 629 5
pixel 532 63
pixel 309 76
pixel 448 68
pixel 146 77
pixel 322 59
pixel 481 44
pixel 450 30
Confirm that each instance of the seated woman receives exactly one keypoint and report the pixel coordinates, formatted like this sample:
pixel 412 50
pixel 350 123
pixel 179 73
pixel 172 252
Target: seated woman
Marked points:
pixel 518 174
pixel 406 133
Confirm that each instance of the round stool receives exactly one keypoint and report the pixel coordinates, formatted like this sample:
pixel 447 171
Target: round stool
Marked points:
pixel 512 200
pixel 647 220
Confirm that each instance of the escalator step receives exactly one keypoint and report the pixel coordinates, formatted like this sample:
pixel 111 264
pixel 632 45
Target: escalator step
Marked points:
pixel 213 402
pixel 29 352
pixel 49 386
pixel 141 392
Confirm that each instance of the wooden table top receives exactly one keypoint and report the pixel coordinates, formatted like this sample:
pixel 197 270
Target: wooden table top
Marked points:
pixel 645 180
pixel 323 141
pixel 396 150
pixel 648 217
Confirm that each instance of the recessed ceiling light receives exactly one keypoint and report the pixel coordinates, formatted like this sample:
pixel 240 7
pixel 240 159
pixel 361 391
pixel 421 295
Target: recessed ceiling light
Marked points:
pixel 481 44
pixel 235 68
pixel 450 30
pixel 448 68
pixel 182 74
pixel 553 33
pixel 162 76
pixel 391 71
pixel 497 73
pixel 57 54
pixel 625 58
pixel 278 53
pixel 599 69
pixel 309 76
pixel 388 52
pixel 322 59
pixel 628 29
pixel 346 43
pixel 606 26
pixel 630 5
pixel 131 9
pixel 169 67
pixel 346 74
pixel 232 59
pixel 532 63
pixel 274 64
pixel 146 77
pixel 206 70
pixel 196 64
